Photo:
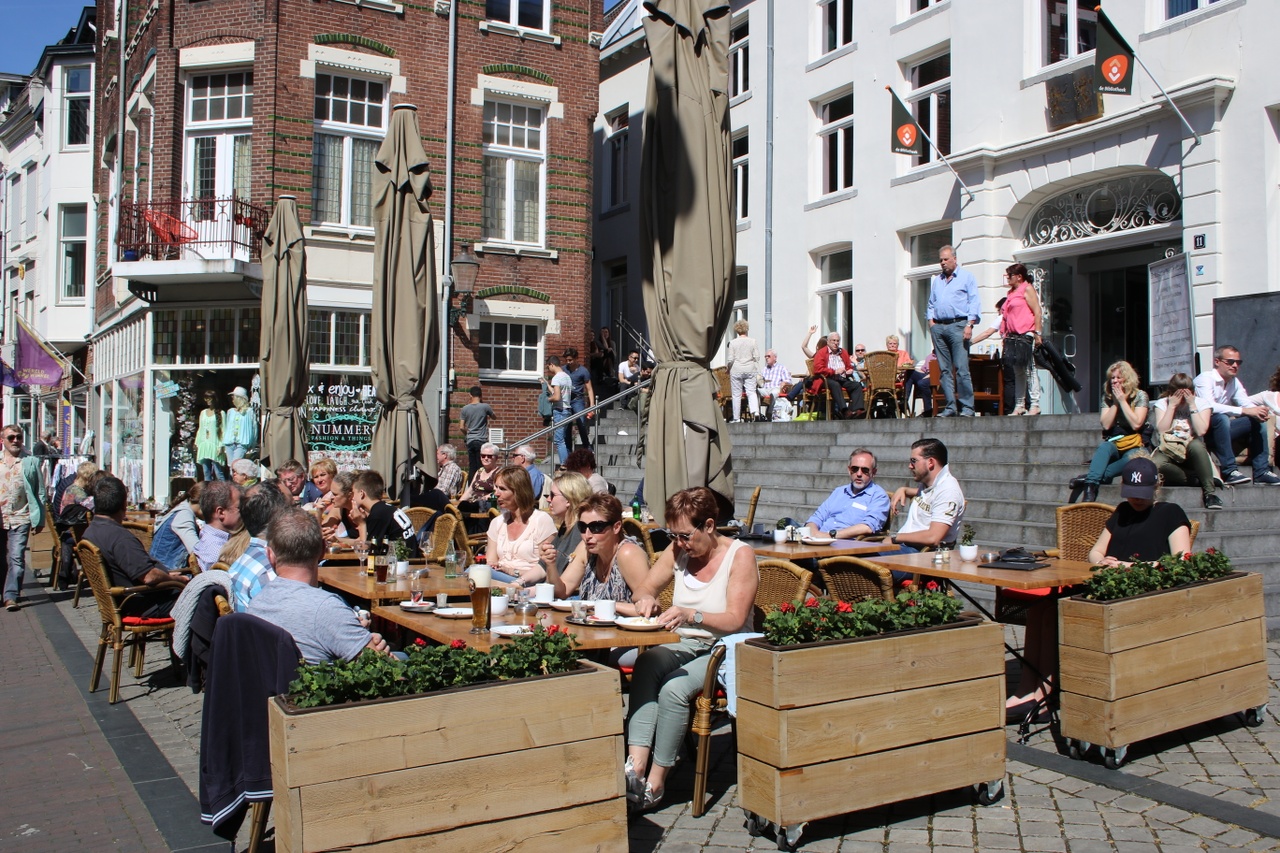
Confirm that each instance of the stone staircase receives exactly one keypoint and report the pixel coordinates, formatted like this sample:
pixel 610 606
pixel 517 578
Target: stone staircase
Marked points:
pixel 1014 472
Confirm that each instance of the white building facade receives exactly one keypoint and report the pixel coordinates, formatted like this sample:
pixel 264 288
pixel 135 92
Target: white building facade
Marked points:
pixel 834 230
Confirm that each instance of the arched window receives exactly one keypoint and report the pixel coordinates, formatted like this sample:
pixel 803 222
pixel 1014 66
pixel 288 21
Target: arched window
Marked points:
pixel 1106 207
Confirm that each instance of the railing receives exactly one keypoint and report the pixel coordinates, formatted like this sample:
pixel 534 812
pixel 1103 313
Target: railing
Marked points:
pixel 208 228
pixel 569 421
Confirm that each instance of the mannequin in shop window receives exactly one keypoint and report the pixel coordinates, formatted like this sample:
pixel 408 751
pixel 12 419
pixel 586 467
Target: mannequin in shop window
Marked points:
pixel 209 455
pixel 240 426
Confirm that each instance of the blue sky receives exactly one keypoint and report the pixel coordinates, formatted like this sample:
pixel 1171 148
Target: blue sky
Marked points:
pixel 33 25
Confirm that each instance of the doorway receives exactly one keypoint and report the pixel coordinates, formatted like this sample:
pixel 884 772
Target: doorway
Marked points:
pixel 1121 321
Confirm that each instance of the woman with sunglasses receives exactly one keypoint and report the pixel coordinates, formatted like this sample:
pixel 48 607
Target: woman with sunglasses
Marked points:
pixel 715 580
pixel 606 564
pixel 568 490
pixel 481 485
pixel 516 536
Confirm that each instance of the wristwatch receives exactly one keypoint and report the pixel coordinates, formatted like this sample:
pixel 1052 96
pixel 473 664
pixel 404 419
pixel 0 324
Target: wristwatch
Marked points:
pixel 832 533
pixel 697 617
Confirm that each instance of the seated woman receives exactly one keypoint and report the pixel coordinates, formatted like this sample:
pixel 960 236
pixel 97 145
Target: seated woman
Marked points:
pixel 1124 411
pixel 480 487
pixel 715 580
pixel 1139 529
pixel 606 565
pixel 912 379
pixel 516 536
pixel 335 520
pixel 177 531
pixel 568 490
pixel 1180 424
pixel 322 472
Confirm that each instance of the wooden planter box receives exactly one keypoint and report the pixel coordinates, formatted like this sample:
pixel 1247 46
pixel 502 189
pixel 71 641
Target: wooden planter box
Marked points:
pixel 1139 667
pixel 834 727
pixel 529 765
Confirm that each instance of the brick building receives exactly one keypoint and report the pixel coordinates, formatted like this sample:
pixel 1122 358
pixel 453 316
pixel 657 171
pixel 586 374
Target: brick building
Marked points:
pixel 218 107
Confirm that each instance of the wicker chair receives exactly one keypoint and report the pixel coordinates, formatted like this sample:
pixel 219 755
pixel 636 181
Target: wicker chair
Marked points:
pixel 1079 526
pixel 781 581
pixel 854 579
pixel 637 531
pixel 119 630
pixel 144 532
pixel 441 535
pixel 418 516
pixel 751 510
pixel 881 375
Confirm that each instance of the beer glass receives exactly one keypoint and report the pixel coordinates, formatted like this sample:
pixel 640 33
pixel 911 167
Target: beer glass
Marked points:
pixel 479 579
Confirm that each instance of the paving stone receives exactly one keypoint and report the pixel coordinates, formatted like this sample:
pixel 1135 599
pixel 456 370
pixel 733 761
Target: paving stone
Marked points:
pixel 995 841
pixel 1088 845
pixel 1132 833
pixel 1044 844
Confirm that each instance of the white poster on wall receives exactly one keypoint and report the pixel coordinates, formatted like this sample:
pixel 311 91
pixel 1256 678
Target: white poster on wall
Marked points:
pixel 1173 343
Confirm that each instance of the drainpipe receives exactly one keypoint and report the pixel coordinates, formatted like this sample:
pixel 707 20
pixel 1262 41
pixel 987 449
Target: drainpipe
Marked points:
pixel 768 183
pixel 446 361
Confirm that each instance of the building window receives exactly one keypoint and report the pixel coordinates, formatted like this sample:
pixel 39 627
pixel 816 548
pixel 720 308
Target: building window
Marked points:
pixel 925 247
pixel 837 24
pixel 32 203
pixel 836 137
pixel 222 97
pixel 513 172
pixel 338 338
pixel 14 223
pixel 207 335
pixel 530 14
pixel 921 5
pixel 219 154
pixel 931 103
pixel 76 99
pixel 350 116
pixel 739 60
pixel 510 349
pixel 1174 8
pixel 835 293
pixel 741 177
pixel 74 231
pixel 1070 29
pixel 618 158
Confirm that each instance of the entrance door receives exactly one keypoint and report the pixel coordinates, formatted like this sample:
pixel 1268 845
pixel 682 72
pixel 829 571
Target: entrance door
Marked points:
pixel 218 170
pixel 1120 318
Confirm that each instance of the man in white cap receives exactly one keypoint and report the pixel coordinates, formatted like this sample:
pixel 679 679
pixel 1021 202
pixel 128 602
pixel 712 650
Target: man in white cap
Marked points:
pixel 239 426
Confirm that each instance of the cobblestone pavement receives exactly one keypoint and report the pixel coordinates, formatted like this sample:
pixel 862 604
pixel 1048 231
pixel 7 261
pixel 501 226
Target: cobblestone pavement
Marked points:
pixel 1211 787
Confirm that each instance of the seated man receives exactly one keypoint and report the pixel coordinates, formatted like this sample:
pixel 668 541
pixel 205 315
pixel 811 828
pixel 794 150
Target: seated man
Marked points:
pixel 449 477
pixel 1236 421
pixel 220 509
pixel 252 570
pixel 937 502
pixel 126 562
pixel 777 381
pixel 320 622
pixel 860 508
pixel 383 520
pixel 583 461
pixel 525 457
pixel 836 368
pixel 293 475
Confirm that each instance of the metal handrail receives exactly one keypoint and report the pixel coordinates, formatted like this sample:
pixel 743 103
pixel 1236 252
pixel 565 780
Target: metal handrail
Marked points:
pixel 641 344
pixel 600 404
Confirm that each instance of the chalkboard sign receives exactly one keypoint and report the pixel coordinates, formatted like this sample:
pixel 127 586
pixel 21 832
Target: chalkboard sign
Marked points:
pixel 1248 323
pixel 1173 345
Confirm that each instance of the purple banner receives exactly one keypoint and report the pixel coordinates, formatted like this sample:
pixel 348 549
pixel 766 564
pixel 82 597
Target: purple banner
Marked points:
pixel 35 363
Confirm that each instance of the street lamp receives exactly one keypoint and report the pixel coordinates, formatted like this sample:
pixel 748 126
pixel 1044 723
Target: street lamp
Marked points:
pixel 463 270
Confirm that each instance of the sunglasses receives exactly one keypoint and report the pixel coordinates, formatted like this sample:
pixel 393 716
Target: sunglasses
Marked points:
pixel 486 455
pixel 1233 362
pixel 596 527
pixel 682 538
pixel 855 469
pixel 13 438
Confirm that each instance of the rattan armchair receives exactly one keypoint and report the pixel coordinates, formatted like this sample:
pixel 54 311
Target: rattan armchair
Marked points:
pixel 854 579
pixel 1079 526
pixel 881 375
pixel 143 531
pixel 418 516
pixel 442 533
pixel 751 510
pixel 637 531
pixel 810 398
pixel 119 630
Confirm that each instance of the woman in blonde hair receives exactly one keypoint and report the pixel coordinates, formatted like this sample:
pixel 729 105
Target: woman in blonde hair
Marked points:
pixel 1124 412
pixel 568 491
pixel 743 357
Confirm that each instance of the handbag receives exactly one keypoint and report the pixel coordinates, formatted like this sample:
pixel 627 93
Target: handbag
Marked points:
pixel 1132 441
pixel 1174 446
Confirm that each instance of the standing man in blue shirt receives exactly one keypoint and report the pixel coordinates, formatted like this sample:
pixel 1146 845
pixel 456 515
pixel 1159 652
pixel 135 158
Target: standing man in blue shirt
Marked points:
pixel 954 310
pixel 859 508
pixel 584 395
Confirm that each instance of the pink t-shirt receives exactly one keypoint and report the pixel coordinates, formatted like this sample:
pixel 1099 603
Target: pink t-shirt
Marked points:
pixel 1018 319
pixel 520 555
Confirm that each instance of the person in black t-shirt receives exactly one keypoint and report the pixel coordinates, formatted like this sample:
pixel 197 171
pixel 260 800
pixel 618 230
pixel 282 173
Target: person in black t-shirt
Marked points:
pixel 384 521
pixel 1141 528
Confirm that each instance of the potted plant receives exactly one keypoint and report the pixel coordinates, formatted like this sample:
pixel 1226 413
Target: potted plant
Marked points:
pixel 386 753
pixel 919 686
pixel 402 557
pixel 968 550
pixel 1150 648
pixel 500 600
pixel 781 530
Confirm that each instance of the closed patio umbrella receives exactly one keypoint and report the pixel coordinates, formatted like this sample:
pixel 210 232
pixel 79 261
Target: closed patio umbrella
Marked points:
pixel 687 233
pixel 406 342
pixel 284 353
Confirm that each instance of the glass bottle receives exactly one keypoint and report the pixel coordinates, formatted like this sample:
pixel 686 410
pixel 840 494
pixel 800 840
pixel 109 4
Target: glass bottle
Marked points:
pixel 451 561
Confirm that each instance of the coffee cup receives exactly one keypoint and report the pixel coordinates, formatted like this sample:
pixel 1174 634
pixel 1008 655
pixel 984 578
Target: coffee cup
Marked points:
pixel 544 593
pixel 606 609
pixel 780 535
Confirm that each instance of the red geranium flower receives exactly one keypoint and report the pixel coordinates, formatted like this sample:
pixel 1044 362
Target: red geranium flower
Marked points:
pixel 1186 556
pixel 554 629
pixel 931 586
pixel 844 607
pixel 786 607
pixel 908 583
pixel 1211 551
pixel 913 603
pixel 811 602
pixel 419 642
pixel 458 644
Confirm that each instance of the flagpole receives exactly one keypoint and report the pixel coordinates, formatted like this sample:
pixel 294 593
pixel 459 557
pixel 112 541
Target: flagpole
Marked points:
pixel 1111 32
pixel 1172 105
pixel 941 156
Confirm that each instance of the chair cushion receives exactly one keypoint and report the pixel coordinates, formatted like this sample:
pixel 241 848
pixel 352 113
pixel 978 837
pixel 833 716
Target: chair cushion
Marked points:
pixel 1028 594
pixel 146 621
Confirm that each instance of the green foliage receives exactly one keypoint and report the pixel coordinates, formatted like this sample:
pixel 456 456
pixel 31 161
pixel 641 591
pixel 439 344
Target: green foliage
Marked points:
pixel 429 668
pixel 828 619
pixel 402 550
pixel 966 534
pixel 1113 582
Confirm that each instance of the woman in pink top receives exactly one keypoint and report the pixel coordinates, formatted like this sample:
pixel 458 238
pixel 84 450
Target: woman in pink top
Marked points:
pixel 514 547
pixel 1020 331
pixel 715 580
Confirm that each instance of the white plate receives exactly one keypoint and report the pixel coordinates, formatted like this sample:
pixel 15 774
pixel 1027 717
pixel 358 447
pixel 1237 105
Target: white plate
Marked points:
pixel 638 623
pixel 512 630
pixel 454 612
pixel 424 607
pixel 562 606
pixel 816 540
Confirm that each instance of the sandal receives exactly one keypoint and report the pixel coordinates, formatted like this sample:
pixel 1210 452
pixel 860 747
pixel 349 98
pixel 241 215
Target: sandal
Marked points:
pixel 1019 410
pixel 1033 411
pixel 635 785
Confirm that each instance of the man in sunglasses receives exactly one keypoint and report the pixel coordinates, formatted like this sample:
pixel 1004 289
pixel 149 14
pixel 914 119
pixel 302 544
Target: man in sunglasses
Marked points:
pixel 1235 420
pixel 22 507
pixel 859 508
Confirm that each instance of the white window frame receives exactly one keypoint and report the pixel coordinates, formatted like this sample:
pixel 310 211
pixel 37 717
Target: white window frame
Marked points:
pixel 511 155
pixel 741 169
pixel 1072 10
pixel 65 243
pixel 224 132
pixel 513 19
pixel 840 289
pixel 842 130
pixel 68 97
pixel 924 106
pixel 32 204
pixel 14 224
pixel 842 11
pixel 740 58
pixel 348 132
pixel 485 350
pixel 617 157
pixel 1200 6
pixel 329 316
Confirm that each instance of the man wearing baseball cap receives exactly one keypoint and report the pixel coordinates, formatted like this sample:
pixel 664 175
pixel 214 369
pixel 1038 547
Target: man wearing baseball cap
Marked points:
pixel 1141 528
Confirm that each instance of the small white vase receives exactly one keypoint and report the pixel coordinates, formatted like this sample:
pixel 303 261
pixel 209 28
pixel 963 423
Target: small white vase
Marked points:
pixel 402 568
pixel 969 553
pixel 498 605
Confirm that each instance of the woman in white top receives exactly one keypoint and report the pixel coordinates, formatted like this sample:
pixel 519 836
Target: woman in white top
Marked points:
pixel 715 580
pixel 744 366
pixel 516 536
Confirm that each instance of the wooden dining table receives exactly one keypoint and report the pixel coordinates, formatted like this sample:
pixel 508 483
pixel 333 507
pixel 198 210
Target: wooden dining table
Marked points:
pixel 445 631
pixel 803 551
pixel 353 581
pixel 1059 572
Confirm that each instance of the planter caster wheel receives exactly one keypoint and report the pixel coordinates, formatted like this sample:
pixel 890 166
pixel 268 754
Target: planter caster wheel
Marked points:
pixel 1077 748
pixel 1113 758
pixel 990 793
pixel 789 837
pixel 755 825
pixel 1255 717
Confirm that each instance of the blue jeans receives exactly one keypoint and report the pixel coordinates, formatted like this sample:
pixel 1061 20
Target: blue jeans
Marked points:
pixel 1225 431
pixel 583 429
pixel 211 470
pixel 1107 463
pixel 559 416
pixel 17 560
pixel 953 351
pixel 234 452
